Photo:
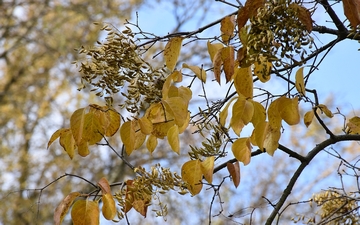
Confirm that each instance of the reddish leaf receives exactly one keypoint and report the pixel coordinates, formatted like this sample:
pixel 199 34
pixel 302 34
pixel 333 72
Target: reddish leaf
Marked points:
pixel 234 170
pixel 352 11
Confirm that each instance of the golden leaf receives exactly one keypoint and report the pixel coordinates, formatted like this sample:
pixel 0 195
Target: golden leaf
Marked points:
pixel 353 126
pixel 236 122
pixel 191 173
pixel 224 113
pixel 243 81
pixel 271 142
pixel 207 168
pixel 185 93
pixel 127 134
pixel 172 52
pixel 259 113
pixel 274 114
pixel 248 112
pixel 325 110
pixel 227 26
pixel 186 123
pixel 109 207
pixel 234 170
pixel 173 138
pixel 352 11
pixel 299 81
pixel 77 124
pixel 241 149
pixel 93 130
pixel 217 65
pixel 259 134
pixel 85 212
pixel 213 49
pixel 289 110
pixel 199 72
pixel 262 69
pixel 56 135
pixel 227 57
pixel 176 107
pixel 68 143
pixel 308 118
pixel 151 143
pixel 175 76
pixel 111 122
pixel 64 207
pixel 146 126
pixel 83 148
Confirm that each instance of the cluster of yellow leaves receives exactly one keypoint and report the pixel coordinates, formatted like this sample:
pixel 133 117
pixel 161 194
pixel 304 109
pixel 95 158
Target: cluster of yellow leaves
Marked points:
pixel 167 118
pixel 86 211
pixel 87 127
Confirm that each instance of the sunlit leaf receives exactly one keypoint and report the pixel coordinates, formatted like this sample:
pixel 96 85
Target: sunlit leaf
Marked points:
pixel 234 170
pixel 104 185
pixel 146 126
pixel 259 134
pixel 172 52
pixel 139 136
pixel 109 207
pixel 93 130
pixel 191 173
pixel 213 49
pixel 160 130
pixel 173 138
pixel 259 113
pixel 85 212
pixel 289 110
pixel 241 149
pixel 64 207
pixel 177 107
pixel 156 113
pixel 83 148
pixel 227 57
pixel 271 142
pixel 224 113
pixel 353 126
pixel 175 76
pixel 227 26
pixel 207 168
pixel 217 65
pixel 199 72
pixel 77 124
pixel 236 122
pixel 151 143
pixel 68 143
pixel 308 118
pixel 274 114
pixel 56 135
pixel 113 122
pixel 248 112
pixel 299 81
pixel 185 93
pixel 262 69
pixel 141 205
pixel 352 11
pixel 127 134
pixel 243 81
pixel 325 110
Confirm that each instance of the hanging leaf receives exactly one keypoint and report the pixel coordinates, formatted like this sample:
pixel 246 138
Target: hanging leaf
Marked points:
pixel 274 114
pixel 213 49
pixel 177 107
pixel 271 142
pixel 289 110
pixel 151 143
pixel 64 207
pixel 325 110
pixel 303 15
pixel 259 113
pixel 234 170
pixel 242 18
pixel 227 57
pixel 299 81
pixel 127 134
pixel 241 149
pixel 207 168
pixel 217 65
pixel 262 69
pixel 173 138
pixel 243 81
pixel 68 143
pixel 146 126
pixel 77 125
pixel 224 113
pixel 186 124
pixel 353 126
pixel 236 122
pixel 93 130
pixel 248 112
pixel 173 77
pixel 172 52
pixel 112 123
pixel 129 196
pixel 191 173
pixel 109 207
pixel 199 72
pixel 104 185
pixel 308 118
pixel 253 6
pixel 227 26
pixel 352 11
pixel 85 212
pixel 259 134
pixel 56 135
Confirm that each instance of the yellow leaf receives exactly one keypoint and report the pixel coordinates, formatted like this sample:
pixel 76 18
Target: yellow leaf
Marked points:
pixel 243 81
pixel 224 113
pixel 173 138
pixel 93 129
pixel 175 76
pixel 77 124
pixel 64 207
pixel 199 72
pixel 274 114
pixel 156 113
pixel 234 170
pixel 262 69
pixel 139 136
pixel 68 143
pixel 129 196
pixel 308 118
pixel 185 93
pixel 127 134
pixel 299 81
pixel 191 173
pixel 172 52
pixel 289 110
pixel 352 11
pixel 353 126
pixel 151 143
pixel 213 49
pixel 236 122
pixel 186 124
pixel 207 168
pixel 227 57
pixel 160 130
pixel 271 142
pixel 241 149
pixel 109 207
pixel 325 110
pixel 177 107
pixel 56 135
pixel 85 212
pixel 83 148
pixel 259 113
pixel 112 123
pixel 248 112
pixel 227 26
pixel 260 134
pixel 146 126
pixel 141 205
pixel 217 62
